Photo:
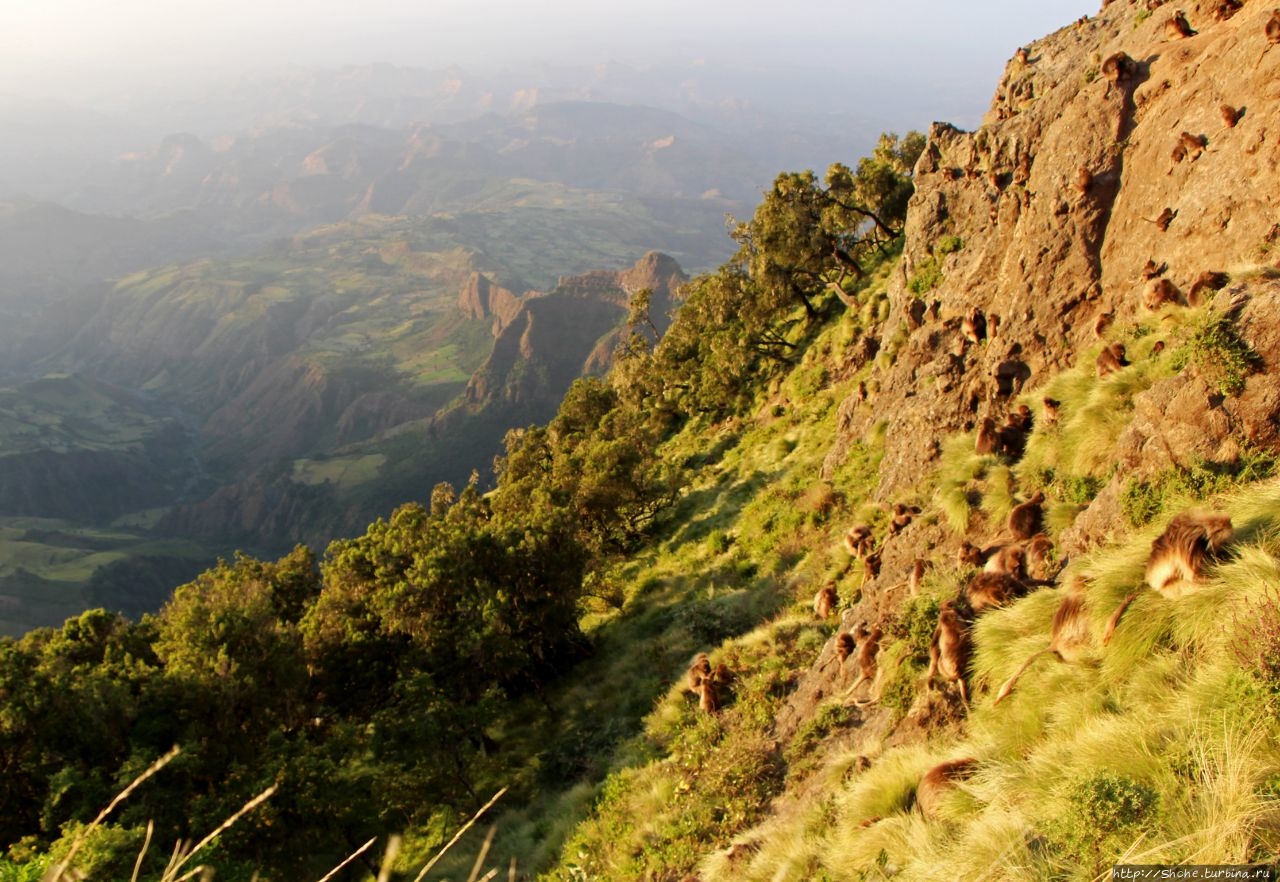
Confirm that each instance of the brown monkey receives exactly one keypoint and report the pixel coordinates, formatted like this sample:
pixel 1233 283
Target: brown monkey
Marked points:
pixel 974 327
pixel 1021 418
pixel 1159 292
pixel 1111 359
pixel 1068 635
pixel 844 646
pixel 1157 348
pixel 708 701
pixel 1051 413
pixel 987 437
pixel 1230 116
pixel 1225 9
pixel 1008 559
pixel 1151 269
pixel 825 601
pixel 1083 180
pixel 1272 31
pixel 949 649
pixel 1116 68
pixel 917 576
pixel 871 567
pixel 1038 553
pixel 868 649
pixel 1011 438
pixel 938 780
pixel 1103 322
pixel 1165 218
pixel 902 515
pixel 1189 147
pixel 968 556
pixel 1180 555
pixel 1206 281
pixel 859 541
pixel 1024 520
pixel 991 590
pixel 1178 27
pixel 699 670
pixel 1021 56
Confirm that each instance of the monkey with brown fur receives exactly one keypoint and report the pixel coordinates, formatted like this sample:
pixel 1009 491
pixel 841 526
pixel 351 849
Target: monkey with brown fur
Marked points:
pixel 991 591
pixel 1230 115
pixel 974 327
pixel 1180 556
pixel 987 438
pixel 1011 438
pixel 1225 9
pixel 699 670
pixel 1115 69
pixel 859 540
pixel 844 646
pixel 1025 518
pixel 1162 222
pixel 1159 292
pixel 937 781
pixel 1272 32
pixel 1008 559
pixel 949 649
pixel 1039 551
pixel 1111 359
pixel 868 670
pixel 1051 413
pixel 1068 635
pixel 917 576
pixel 902 515
pixel 1177 27
pixel 825 601
pixel 968 556
pixel 708 700
pixel 1151 269
pixel 871 567
pixel 1103 322
pixel 1206 281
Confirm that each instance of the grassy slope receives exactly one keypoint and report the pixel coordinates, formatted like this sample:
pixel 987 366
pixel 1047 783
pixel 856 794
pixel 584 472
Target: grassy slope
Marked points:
pixel 1163 747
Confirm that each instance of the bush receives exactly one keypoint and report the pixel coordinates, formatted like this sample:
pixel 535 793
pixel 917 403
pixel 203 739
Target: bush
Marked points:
pixel 927 277
pixel 1103 813
pixel 1220 353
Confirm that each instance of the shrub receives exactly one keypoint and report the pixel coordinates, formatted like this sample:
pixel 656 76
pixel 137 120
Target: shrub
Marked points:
pixel 928 276
pixel 1103 812
pixel 949 245
pixel 1222 356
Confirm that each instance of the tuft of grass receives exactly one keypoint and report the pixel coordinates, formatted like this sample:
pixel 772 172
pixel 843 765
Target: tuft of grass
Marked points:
pixel 949 245
pixel 1221 354
pixel 928 275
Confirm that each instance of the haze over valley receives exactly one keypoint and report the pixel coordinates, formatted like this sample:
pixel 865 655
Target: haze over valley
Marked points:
pixel 248 303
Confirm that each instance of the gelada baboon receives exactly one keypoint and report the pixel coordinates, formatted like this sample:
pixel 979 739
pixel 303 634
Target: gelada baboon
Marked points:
pixel 871 567
pixel 974 327
pixel 1083 180
pixel 949 650
pixel 938 780
pixel 917 576
pixel 1189 147
pixel 1178 27
pixel 1206 281
pixel 1159 292
pixel 1151 269
pixel 1272 31
pixel 901 518
pixel 1025 519
pixel 1111 359
pixel 1039 554
pixel 969 555
pixel 1051 411
pixel 1068 635
pixel 1117 67
pixel 1230 115
pixel 991 590
pixel 1009 559
pixel 844 646
pixel 1103 322
pixel 699 670
pixel 1180 556
pixel 868 649
pixel 825 601
pixel 987 437
pixel 859 541
pixel 1165 218
pixel 1226 8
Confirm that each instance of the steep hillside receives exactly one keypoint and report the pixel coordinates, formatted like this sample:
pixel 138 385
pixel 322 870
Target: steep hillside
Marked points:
pixel 1106 202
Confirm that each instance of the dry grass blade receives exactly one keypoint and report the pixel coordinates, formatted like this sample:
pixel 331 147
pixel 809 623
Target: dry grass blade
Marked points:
pixel 511 873
pixel 146 843
pixel 484 853
pixel 488 876
pixel 351 857
pixel 389 858
pixel 244 810
pixel 56 872
pixel 465 827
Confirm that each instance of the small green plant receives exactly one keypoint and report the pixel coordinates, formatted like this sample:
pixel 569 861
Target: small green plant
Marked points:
pixel 1090 75
pixel 949 245
pixel 1222 356
pixel 928 276
pixel 914 626
pixel 1103 811
pixel 1143 15
pixel 1142 500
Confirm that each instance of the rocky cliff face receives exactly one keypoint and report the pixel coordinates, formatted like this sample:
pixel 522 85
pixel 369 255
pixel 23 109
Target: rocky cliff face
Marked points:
pixel 1115 150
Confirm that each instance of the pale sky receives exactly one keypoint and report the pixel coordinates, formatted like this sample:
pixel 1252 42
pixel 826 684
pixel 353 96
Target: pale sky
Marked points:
pixel 66 47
